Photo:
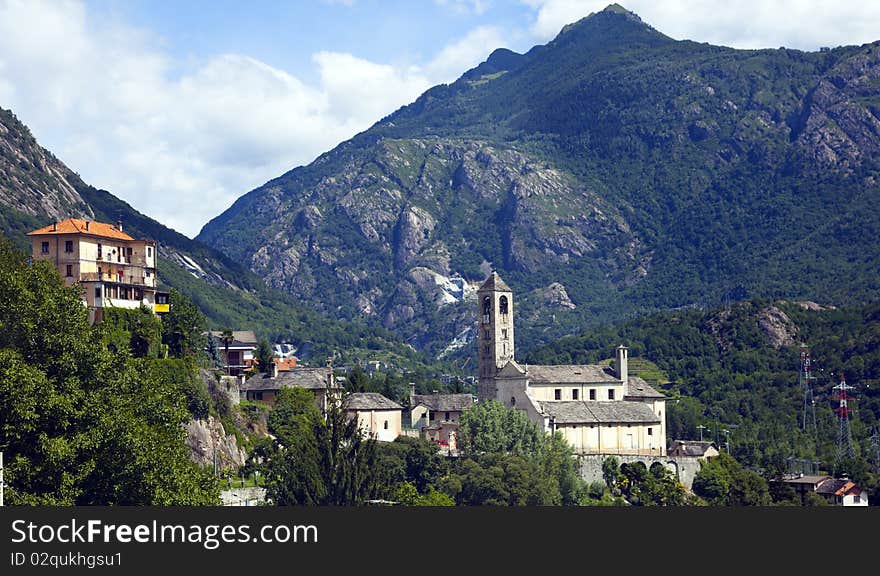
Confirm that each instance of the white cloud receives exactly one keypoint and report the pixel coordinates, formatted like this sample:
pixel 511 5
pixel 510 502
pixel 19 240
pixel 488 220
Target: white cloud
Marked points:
pixel 458 57
pixel 801 24
pixel 465 6
pixel 107 101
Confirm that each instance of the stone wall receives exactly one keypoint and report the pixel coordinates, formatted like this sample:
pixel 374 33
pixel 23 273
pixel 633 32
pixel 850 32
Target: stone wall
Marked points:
pixel 684 467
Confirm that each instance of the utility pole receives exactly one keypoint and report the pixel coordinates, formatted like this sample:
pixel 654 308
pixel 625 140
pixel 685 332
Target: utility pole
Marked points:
pixel 2 486
pixel 875 448
pixel 726 433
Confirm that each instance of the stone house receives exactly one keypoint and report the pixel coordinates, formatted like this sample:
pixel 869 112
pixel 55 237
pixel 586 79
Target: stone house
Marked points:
pixel 378 416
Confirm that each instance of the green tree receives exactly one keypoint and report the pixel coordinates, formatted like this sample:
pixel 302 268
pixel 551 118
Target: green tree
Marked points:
pixel 315 460
pixel 227 338
pixel 183 327
pixel 490 427
pixel 265 355
pixel 722 481
pixel 611 472
pixel 80 425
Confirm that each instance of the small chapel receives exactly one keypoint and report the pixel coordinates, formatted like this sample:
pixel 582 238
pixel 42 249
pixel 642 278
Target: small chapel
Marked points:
pixel 599 410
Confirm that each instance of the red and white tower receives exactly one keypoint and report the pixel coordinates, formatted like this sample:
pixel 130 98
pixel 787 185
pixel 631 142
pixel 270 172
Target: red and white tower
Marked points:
pixel 843 411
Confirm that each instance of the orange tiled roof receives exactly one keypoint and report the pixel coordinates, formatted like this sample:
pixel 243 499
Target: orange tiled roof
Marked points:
pixel 845 489
pixel 78 226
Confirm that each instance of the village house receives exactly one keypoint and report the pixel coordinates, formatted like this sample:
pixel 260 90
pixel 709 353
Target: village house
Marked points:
pixel 836 491
pixel 264 387
pixel 240 350
pixel 599 410
pixel 114 269
pixel 437 416
pixel 693 449
pixel 377 416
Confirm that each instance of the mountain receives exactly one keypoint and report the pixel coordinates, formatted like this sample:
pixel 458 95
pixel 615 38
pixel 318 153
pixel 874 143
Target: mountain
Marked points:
pixel 37 188
pixel 631 171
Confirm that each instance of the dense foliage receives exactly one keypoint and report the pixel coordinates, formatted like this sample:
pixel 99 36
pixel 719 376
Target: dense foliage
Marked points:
pixel 81 423
pixel 313 460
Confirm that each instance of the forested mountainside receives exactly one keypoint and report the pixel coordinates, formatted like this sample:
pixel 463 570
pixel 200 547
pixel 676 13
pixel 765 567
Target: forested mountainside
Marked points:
pixel 610 172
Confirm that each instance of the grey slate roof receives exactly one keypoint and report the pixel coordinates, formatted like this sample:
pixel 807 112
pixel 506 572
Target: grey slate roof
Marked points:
pixel 638 388
pixel 241 338
pixel 301 376
pixel 494 282
pixel 369 401
pixel 695 448
pixel 563 374
pixel 593 412
pixel 444 402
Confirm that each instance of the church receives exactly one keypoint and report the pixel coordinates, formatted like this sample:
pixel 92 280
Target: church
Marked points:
pixel 597 409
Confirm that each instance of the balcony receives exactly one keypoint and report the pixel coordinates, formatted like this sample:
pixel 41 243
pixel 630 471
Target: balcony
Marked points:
pixel 127 279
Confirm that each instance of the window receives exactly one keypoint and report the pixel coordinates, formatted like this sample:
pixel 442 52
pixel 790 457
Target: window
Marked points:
pixel 486 334
pixel 69 270
pixel 574 394
pixel 513 401
pixel 487 350
pixel 99 272
pixel 431 417
pixel 68 246
pixel 97 291
pixel 149 252
pixel 611 394
pixel 258 395
pixel 592 394
pixel 504 333
pixel 557 394
pixel 446 416
pixel 99 251
pixel 502 305
pixel 386 424
pixel 650 431
pixel 44 248
pixel 487 306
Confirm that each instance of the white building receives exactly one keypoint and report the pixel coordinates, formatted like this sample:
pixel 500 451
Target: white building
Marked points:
pixel 597 409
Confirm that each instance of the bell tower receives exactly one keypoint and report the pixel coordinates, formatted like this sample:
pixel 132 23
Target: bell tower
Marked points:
pixel 495 332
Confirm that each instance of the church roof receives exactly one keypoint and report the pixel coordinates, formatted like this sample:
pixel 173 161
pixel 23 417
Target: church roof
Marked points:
pixel 369 401
pixel 559 374
pixel 495 283
pixel 638 388
pixel 444 402
pixel 591 412
pixel 511 369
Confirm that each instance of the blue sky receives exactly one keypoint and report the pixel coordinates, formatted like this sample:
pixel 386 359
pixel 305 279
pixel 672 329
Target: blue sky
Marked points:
pixel 181 107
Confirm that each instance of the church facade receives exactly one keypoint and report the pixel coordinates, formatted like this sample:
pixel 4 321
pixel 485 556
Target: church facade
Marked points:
pixel 597 409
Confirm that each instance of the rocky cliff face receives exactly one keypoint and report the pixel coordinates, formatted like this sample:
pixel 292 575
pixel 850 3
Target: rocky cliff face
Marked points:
pixel 386 230
pixel 841 128
pixel 32 179
pixel 207 439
